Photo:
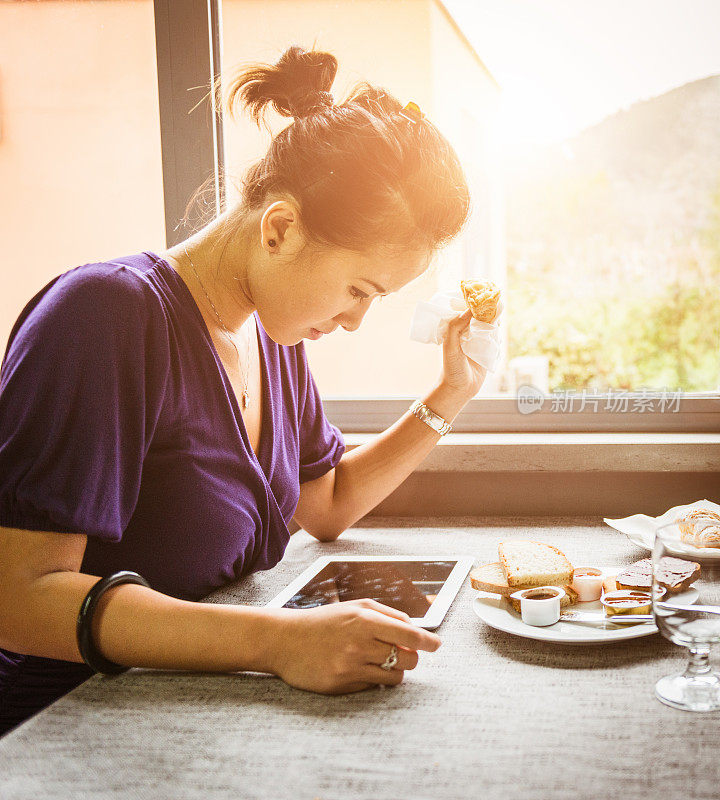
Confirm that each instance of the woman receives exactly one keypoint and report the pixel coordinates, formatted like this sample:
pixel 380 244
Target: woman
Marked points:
pixel 157 412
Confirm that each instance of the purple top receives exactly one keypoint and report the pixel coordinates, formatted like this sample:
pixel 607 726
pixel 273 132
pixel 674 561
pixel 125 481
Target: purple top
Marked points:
pixel 118 420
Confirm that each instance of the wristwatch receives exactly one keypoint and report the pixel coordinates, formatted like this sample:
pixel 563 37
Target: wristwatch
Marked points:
pixel 429 417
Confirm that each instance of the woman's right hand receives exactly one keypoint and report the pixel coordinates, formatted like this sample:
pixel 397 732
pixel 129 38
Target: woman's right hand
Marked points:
pixel 338 648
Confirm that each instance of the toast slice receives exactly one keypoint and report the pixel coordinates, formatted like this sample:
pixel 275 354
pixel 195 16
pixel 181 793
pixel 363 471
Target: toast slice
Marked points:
pixel 490 578
pixel 674 574
pixel 527 564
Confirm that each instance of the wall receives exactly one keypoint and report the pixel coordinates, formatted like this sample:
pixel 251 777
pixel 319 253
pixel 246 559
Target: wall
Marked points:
pixel 80 150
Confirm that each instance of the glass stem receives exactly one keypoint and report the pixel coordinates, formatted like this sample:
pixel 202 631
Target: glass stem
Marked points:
pixel 699 662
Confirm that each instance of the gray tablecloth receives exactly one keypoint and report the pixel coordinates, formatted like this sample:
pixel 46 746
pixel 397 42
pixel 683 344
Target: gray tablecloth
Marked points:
pixel 488 715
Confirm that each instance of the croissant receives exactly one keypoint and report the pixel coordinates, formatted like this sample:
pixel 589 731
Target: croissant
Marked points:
pixel 700 527
pixel 482 299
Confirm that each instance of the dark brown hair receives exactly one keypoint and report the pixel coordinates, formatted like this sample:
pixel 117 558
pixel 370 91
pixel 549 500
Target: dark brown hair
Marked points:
pixel 362 172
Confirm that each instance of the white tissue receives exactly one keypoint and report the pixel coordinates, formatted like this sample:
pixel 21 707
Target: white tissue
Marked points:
pixel 480 341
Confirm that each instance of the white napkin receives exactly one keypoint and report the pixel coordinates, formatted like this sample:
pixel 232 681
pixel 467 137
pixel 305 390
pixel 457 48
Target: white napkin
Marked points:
pixel 480 341
pixel 640 529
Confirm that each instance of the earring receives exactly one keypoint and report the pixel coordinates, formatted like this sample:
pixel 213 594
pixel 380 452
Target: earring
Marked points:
pixel 272 243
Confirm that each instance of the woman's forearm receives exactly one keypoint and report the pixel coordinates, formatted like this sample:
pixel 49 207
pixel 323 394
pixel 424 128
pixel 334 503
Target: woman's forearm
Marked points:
pixel 138 627
pixel 367 474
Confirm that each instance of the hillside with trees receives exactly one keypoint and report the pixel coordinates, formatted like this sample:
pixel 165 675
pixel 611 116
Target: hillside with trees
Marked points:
pixel 613 245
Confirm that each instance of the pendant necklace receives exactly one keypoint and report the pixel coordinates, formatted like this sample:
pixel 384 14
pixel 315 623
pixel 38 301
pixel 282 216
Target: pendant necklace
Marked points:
pixel 245 398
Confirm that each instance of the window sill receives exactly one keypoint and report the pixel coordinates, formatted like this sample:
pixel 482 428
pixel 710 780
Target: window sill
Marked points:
pixel 568 452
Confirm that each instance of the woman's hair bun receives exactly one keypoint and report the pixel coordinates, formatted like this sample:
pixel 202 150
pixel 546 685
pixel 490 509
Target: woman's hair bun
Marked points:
pixel 296 86
pixel 364 174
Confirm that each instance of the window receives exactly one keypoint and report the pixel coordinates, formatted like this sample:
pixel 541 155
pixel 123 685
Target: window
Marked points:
pixel 613 310
pixel 94 91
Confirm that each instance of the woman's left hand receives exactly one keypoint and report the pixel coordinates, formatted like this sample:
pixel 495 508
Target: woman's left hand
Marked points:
pixel 460 373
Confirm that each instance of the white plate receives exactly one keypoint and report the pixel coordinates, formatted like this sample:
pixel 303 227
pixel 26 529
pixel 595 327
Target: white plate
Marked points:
pixel 640 529
pixel 497 612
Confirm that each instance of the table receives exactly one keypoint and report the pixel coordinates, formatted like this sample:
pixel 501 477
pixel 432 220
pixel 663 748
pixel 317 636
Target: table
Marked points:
pixel 487 715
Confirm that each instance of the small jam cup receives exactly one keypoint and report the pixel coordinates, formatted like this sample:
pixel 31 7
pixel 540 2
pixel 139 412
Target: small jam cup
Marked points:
pixel 626 601
pixel 536 608
pixel 587 582
pixel 630 601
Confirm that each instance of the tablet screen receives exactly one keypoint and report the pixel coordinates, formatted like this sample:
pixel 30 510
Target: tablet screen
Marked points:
pixel 409 586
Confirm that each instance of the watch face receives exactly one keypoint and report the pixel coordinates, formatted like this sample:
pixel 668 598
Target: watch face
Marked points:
pixel 429 417
pixel 434 421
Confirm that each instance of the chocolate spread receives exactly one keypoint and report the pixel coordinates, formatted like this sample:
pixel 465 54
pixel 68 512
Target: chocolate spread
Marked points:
pixel 672 573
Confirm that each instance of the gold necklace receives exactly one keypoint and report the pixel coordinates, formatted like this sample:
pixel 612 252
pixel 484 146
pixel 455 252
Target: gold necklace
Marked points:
pixel 245 398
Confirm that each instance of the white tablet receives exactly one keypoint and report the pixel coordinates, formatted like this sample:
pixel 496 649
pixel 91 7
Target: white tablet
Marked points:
pixel 422 587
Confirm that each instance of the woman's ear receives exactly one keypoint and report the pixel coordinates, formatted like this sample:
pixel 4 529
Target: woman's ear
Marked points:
pixel 280 229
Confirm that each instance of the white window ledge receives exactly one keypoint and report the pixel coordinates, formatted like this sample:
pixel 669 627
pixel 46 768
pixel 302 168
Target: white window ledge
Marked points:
pixel 568 452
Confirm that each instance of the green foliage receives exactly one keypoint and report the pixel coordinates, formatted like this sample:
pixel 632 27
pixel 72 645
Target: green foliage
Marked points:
pixel 603 333
pixel 621 340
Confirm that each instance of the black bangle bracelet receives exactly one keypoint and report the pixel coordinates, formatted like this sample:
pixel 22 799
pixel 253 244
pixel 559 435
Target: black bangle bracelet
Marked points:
pixel 91 656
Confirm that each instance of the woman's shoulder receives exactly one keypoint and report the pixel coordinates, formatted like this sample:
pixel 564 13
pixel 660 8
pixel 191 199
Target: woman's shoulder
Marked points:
pixel 97 290
pixel 107 300
pixel 107 283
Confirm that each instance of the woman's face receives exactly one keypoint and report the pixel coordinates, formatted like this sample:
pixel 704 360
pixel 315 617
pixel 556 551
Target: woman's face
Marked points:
pixel 330 289
pixel 327 289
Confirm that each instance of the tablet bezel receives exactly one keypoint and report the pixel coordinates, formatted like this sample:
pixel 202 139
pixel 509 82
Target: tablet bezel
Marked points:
pixel 434 615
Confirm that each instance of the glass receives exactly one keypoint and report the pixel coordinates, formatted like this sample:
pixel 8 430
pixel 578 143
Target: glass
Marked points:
pixel 690 618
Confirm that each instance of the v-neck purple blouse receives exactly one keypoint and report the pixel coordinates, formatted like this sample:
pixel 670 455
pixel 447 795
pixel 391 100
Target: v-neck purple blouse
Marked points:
pixel 118 420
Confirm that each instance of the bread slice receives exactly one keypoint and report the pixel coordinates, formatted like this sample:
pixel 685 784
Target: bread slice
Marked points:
pixel 609 584
pixel 490 578
pixel 526 564
pixel 674 574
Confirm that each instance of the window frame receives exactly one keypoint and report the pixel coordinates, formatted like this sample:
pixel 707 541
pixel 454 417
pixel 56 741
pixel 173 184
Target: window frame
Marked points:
pixel 696 413
pixel 188 39
pixel 189 53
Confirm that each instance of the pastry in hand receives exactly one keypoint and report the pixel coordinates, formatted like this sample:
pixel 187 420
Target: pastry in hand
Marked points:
pixel 482 299
pixel 700 527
